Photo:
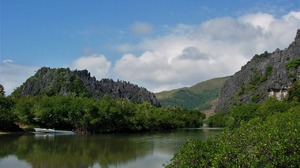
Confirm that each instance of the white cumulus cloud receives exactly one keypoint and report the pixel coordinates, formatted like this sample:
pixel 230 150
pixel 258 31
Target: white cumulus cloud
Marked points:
pixel 259 20
pixel 217 47
pixel 13 75
pixel 96 64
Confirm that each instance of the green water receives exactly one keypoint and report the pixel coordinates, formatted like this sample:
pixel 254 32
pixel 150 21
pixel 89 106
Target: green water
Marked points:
pixel 107 151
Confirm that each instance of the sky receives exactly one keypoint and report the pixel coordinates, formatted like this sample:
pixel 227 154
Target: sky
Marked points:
pixel 157 44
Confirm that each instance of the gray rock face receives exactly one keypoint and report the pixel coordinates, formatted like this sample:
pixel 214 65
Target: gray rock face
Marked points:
pixel 265 73
pixel 63 81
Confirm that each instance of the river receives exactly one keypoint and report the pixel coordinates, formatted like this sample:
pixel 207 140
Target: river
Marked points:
pixel 146 150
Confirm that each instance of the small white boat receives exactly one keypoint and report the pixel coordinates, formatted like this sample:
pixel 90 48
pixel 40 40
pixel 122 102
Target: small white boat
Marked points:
pixel 52 131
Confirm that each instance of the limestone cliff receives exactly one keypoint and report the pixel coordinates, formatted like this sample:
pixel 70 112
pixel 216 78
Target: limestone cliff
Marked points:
pixel 63 81
pixel 267 74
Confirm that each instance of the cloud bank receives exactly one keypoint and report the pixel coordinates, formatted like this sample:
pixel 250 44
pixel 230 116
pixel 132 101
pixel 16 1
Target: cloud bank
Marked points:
pixel 215 48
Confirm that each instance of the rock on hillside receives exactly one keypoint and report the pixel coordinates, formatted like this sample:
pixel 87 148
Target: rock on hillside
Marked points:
pixel 267 74
pixel 63 81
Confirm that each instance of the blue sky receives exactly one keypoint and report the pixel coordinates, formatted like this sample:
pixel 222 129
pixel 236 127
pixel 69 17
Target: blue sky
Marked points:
pixel 159 45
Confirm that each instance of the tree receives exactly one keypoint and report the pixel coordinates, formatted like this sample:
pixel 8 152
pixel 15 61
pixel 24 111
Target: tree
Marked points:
pixel 2 92
pixel 7 118
pixel 294 92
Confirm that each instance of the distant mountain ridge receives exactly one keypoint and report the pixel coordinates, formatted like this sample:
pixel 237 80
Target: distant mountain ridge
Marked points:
pixel 198 96
pixel 63 81
pixel 265 75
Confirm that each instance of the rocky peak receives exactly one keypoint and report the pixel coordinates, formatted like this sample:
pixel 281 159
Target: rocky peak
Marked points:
pixel 63 81
pixel 264 75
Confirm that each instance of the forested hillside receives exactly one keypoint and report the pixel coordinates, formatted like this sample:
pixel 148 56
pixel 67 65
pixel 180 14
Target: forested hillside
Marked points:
pixel 198 96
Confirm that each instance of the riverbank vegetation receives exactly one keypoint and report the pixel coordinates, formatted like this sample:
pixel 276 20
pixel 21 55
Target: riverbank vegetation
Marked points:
pixel 255 135
pixel 87 115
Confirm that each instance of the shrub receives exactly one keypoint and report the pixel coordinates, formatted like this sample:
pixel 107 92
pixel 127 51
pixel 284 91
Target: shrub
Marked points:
pixel 293 64
pixel 273 141
pixel 294 92
pixel 217 120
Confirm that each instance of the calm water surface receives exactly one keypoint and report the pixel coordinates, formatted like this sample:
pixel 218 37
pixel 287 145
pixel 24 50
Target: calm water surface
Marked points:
pixel 146 150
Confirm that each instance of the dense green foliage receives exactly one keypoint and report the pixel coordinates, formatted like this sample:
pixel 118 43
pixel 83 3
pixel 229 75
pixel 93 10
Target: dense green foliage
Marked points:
pixel 265 135
pixel 105 115
pixel 7 118
pixel 198 96
pixel 186 99
pixel 293 64
pixel 294 92
pixel 245 113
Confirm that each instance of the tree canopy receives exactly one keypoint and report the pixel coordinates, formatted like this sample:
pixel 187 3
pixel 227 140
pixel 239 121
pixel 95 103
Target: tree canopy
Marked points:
pixel 86 115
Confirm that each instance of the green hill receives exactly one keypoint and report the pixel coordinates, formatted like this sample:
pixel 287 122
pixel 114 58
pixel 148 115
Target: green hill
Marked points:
pixel 198 96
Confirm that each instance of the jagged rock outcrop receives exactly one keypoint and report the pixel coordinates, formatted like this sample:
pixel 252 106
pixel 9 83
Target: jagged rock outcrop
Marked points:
pixel 267 74
pixel 63 81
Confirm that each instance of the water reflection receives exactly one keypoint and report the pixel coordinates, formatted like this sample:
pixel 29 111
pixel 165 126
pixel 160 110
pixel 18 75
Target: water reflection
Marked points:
pixel 119 150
